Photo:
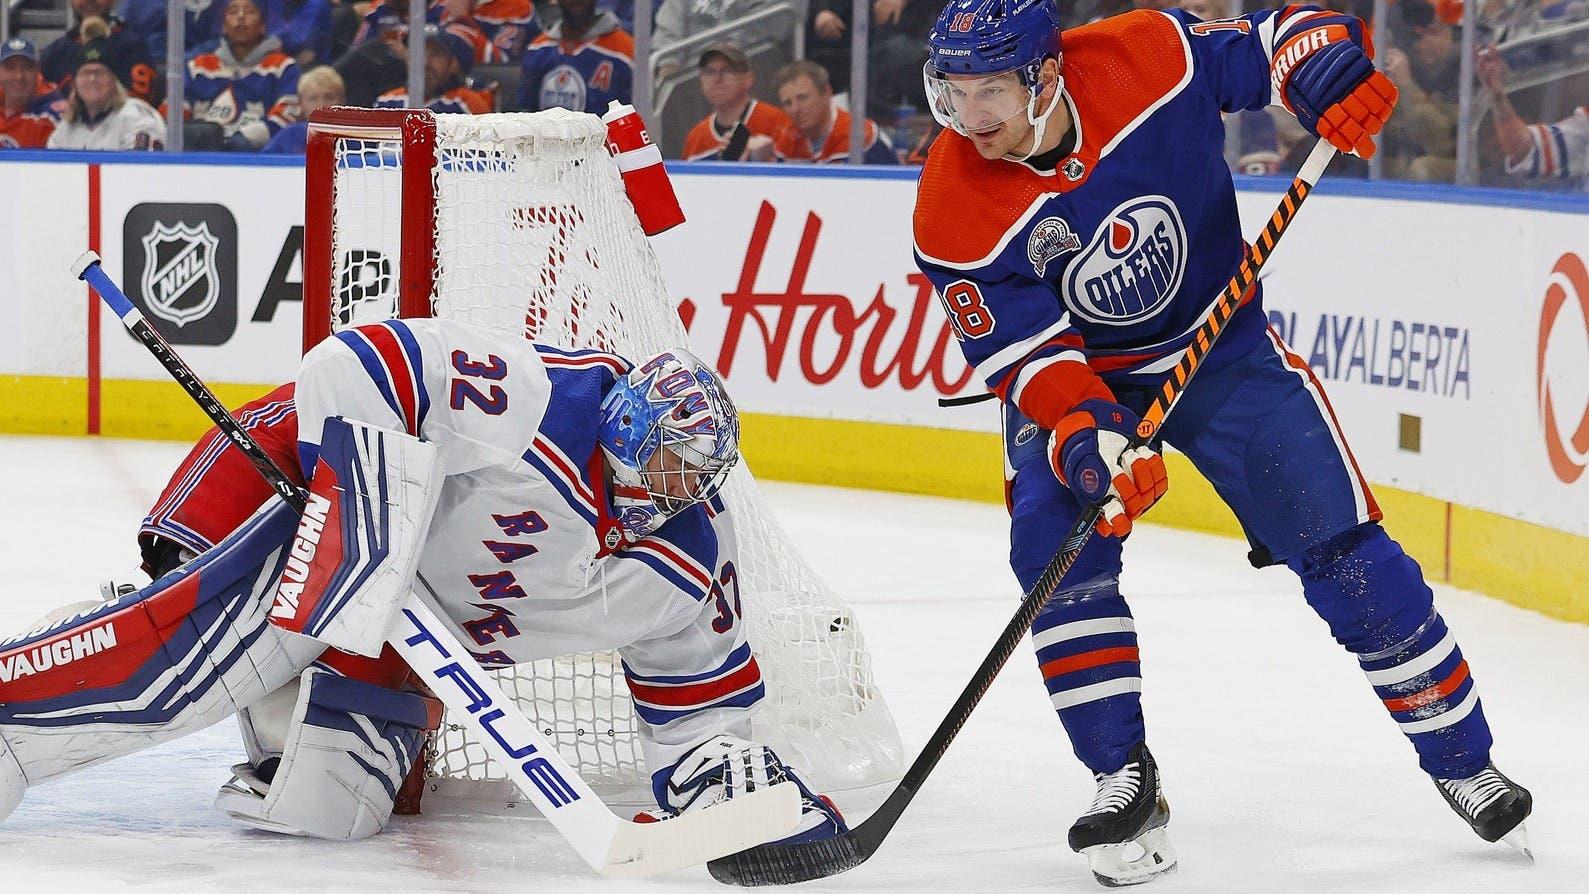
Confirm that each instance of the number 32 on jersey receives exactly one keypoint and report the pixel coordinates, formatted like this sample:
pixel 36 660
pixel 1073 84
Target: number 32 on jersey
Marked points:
pixel 969 315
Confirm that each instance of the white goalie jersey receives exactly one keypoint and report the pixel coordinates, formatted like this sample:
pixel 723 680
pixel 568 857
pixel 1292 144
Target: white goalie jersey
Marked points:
pixel 523 551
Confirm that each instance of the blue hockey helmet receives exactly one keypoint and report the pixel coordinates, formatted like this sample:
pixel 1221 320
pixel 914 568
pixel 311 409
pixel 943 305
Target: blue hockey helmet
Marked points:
pixel 671 435
pixel 990 38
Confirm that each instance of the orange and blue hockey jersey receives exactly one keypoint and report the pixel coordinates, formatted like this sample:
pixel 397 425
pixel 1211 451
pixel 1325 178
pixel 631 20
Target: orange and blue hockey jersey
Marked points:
pixel 1107 264
pixel 31 127
pixel 510 24
pixel 791 145
pixel 583 75
pixel 255 96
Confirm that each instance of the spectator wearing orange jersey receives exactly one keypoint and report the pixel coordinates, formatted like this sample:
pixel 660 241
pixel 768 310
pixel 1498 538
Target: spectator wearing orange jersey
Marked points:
pixel 27 108
pixel 726 82
pixel 582 63
pixel 821 133
pixel 448 60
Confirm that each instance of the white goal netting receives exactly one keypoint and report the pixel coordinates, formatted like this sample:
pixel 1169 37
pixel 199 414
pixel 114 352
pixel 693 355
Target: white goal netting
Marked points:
pixel 533 232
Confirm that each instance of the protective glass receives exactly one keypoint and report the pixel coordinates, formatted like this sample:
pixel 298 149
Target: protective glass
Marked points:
pixel 968 104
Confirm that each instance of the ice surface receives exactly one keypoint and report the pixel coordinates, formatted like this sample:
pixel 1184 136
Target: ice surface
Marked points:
pixel 1283 773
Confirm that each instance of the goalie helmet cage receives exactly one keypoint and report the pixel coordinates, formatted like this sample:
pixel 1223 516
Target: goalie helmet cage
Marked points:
pixel 520 222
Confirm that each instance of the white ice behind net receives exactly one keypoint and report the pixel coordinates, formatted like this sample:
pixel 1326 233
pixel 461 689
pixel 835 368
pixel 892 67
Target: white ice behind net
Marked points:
pixel 534 233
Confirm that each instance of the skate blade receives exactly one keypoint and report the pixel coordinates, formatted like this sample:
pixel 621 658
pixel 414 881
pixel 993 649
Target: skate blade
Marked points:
pixel 1134 862
pixel 1518 839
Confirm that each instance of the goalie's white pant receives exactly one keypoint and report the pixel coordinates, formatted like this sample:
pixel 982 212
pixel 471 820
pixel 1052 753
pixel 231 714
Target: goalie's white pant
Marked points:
pixel 175 657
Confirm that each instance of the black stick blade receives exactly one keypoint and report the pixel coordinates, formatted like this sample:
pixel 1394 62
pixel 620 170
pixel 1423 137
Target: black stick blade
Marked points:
pixel 786 864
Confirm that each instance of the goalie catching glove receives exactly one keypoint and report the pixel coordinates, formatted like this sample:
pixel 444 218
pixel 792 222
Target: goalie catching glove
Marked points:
pixel 723 768
pixel 1090 450
pixel 1323 71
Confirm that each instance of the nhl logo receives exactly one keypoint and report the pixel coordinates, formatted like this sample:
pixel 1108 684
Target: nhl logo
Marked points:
pixel 180 282
pixel 612 538
pixel 1050 239
pixel 1073 169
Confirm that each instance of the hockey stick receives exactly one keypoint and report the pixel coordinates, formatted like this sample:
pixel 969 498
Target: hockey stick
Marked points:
pixel 782 864
pixel 611 845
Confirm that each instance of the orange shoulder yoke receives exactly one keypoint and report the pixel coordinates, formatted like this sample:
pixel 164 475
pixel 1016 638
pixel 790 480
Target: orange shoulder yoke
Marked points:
pixel 965 203
pixel 1116 69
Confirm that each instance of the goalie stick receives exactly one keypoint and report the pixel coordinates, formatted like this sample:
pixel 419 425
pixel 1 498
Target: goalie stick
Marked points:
pixel 782 864
pixel 611 845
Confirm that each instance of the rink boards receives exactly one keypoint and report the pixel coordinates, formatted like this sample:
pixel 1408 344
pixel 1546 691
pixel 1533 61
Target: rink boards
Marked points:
pixel 1450 327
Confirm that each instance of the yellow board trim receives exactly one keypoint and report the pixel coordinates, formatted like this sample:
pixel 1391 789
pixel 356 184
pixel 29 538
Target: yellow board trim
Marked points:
pixel 1535 567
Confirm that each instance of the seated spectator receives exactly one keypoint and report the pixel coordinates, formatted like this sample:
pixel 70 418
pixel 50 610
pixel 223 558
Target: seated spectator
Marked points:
pixel 100 113
pixel 726 82
pixel 510 24
pixel 582 63
pixel 317 89
pixel 303 27
pixel 897 52
pixel 448 59
pixel 28 103
pixel 136 69
pixel 821 132
pixel 1557 151
pixel 1421 138
pixel 379 60
pixel 244 92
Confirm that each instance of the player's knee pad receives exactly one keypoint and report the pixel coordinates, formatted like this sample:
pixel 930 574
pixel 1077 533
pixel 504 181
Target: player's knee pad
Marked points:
pixel 1370 592
pixel 348 747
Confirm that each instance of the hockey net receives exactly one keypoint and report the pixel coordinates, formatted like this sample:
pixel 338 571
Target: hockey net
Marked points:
pixel 519 222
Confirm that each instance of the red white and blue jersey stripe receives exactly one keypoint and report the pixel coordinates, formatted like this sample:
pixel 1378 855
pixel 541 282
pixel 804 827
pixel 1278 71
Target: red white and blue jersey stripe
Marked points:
pixel 391 357
pixel 1557 151
pixel 661 699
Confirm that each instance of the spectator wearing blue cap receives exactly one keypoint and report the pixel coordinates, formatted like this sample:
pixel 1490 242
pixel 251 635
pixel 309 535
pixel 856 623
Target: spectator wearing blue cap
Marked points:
pixel 28 103
pixel 448 61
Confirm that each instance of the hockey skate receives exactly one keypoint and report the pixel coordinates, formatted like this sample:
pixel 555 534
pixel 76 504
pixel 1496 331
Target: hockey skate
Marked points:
pixel 1123 832
pixel 1493 805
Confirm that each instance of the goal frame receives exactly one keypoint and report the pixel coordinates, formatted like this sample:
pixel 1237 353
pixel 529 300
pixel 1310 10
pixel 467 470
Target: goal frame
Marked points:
pixel 415 130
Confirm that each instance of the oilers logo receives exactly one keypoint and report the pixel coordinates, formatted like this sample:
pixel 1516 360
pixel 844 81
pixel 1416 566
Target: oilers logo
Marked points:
pixel 1132 267
pixel 563 87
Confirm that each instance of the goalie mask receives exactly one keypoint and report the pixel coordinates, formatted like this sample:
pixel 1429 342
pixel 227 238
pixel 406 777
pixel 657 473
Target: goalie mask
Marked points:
pixel 671 436
pixel 985 63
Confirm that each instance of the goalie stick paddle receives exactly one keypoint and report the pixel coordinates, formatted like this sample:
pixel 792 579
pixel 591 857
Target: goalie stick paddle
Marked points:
pixel 611 845
pixel 783 864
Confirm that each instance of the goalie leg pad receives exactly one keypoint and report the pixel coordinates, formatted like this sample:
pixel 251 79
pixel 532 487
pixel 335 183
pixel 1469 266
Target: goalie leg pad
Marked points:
pixel 357 549
pixel 725 767
pixel 348 748
pixel 153 665
pixel 12 782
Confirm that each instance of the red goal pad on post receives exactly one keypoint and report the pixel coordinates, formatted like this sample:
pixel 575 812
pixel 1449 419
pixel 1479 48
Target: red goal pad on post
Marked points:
pixel 520 223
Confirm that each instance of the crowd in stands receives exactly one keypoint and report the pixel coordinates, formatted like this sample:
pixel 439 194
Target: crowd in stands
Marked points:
pixel 254 69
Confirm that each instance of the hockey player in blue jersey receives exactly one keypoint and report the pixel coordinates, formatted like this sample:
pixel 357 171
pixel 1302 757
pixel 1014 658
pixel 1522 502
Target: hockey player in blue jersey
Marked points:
pixel 1078 220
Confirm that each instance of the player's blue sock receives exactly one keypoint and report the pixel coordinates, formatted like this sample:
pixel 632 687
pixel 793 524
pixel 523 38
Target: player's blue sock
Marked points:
pixel 1373 596
pixel 1086 646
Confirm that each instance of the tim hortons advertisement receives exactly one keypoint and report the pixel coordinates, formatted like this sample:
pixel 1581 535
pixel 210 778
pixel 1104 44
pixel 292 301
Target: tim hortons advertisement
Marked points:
pixel 803 293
